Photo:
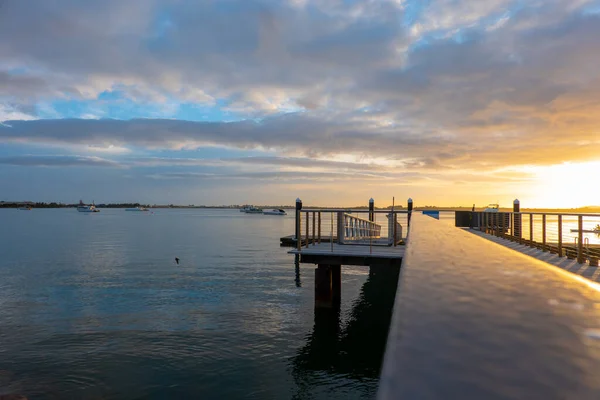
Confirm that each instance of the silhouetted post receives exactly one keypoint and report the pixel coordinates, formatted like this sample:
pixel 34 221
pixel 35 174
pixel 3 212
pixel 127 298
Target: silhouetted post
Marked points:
pixel 371 210
pixel 323 292
pixel 336 284
pixel 517 219
pixel 544 232
pixel 560 243
pixel 298 232
pixel 410 208
pixel 580 256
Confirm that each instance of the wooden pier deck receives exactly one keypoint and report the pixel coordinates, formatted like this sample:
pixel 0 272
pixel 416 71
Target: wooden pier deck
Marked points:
pixel 290 240
pixel 350 254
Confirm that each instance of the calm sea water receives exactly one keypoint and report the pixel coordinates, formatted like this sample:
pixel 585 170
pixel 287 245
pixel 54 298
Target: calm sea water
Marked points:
pixel 93 306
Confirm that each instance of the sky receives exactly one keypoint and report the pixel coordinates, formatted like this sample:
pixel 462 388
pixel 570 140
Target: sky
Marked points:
pixel 448 102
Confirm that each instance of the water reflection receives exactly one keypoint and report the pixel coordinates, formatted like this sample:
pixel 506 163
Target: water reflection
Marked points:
pixel 351 349
pixel 297 265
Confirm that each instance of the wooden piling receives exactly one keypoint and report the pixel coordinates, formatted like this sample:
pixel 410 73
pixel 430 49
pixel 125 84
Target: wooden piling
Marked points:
pixel 323 287
pixel 336 283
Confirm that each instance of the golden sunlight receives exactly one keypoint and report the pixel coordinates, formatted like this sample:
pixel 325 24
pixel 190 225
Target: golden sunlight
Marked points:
pixel 567 185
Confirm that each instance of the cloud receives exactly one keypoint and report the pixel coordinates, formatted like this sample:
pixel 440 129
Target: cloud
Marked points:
pixel 437 86
pixel 285 162
pixel 58 161
pixel 286 176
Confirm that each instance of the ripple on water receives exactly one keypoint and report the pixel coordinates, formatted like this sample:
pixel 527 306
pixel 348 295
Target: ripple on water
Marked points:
pixel 97 309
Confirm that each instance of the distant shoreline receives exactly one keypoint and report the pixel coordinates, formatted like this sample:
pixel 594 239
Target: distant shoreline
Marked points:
pixel 587 209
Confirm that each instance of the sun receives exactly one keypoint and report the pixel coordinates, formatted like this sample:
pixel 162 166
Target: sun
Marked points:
pixel 567 185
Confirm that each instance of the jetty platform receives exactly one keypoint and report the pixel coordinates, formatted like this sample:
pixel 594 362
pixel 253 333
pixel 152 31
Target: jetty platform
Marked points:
pixel 473 319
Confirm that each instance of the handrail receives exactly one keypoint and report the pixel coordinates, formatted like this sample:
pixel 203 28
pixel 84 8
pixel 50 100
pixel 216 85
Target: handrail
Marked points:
pixel 535 229
pixel 550 213
pixel 356 228
pixel 341 227
pixel 350 210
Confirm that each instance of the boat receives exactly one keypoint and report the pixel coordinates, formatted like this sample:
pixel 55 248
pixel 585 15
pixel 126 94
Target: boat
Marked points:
pixel 24 208
pixel 492 208
pixel 596 230
pixel 87 208
pixel 253 210
pixel 244 208
pixel 275 212
pixel 137 209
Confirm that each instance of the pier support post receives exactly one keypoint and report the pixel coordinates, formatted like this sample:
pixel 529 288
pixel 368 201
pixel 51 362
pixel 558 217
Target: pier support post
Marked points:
pixel 371 210
pixel 517 219
pixel 336 284
pixel 323 287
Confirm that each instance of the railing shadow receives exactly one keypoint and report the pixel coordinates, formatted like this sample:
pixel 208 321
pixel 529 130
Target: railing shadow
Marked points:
pixel 356 349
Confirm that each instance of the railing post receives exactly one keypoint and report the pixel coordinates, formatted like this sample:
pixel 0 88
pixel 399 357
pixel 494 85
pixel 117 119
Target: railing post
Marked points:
pixel 307 227
pixel 517 219
pixel 298 232
pixel 531 230
pixel 331 232
pixel 395 219
pixel 319 227
pixel 580 257
pixel 502 227
pixel 560 247
pixel 314 227
pixel 544 232
pixel 341 229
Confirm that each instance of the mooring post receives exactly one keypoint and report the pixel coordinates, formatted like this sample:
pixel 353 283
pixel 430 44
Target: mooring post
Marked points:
pixel 298 232
pixel 371 209
pixel 323 287
pixel 517 219
pixel 410 208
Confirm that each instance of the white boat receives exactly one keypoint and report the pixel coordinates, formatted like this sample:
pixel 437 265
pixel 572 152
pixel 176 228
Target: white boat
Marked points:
pixel 137 209
pixel 492 208
pixel 24 208
pixel 596 230
pixel 253 210
pixel 87 208
pixel 275 212
pixel 244 208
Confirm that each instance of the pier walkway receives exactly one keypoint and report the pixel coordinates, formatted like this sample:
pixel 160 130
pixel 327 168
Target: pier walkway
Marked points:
pixel 475 320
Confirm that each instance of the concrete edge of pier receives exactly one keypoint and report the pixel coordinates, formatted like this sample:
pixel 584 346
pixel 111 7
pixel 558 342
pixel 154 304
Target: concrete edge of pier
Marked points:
pixel 475 320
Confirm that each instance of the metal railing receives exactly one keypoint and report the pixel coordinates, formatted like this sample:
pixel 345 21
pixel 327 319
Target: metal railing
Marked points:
pixel 357 227
pixel 575 236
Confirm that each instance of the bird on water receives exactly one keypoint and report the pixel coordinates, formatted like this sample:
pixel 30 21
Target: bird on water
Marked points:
pixel 177 260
